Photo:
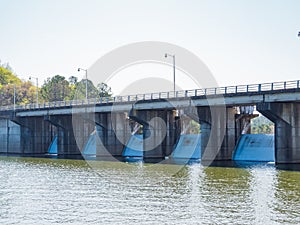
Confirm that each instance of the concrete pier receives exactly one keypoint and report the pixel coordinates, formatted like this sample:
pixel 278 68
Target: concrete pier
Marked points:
pixel 66 143
pixel 286 117
pixel 217 126
pixel 113 131
pixel 159 131
pixel 35 134
pixel 220 129
pixel 10 136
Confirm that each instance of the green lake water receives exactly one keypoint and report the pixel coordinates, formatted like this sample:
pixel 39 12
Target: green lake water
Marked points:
pixel 60 191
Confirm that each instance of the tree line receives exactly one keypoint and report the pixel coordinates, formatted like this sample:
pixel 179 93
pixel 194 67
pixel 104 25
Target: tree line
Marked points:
pixel 56 88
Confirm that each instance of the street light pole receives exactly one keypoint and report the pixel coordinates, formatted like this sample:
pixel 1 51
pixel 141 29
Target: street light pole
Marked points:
pixel 37 89
pixel 14 97
pixel 86 84
pixel 174 68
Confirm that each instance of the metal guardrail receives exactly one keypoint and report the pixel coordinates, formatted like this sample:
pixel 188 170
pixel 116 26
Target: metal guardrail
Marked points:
pixel 240 89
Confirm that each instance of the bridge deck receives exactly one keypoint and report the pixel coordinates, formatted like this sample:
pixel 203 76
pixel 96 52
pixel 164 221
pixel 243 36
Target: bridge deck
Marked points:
pixel 232 95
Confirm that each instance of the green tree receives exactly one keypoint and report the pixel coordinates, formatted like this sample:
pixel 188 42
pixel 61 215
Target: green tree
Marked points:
pixel 80 90
pixel 11 85
pixel 104 90
pixel 24 94
pixel 7 77
pixel 56 88
pixel 73 80
pixel 73 83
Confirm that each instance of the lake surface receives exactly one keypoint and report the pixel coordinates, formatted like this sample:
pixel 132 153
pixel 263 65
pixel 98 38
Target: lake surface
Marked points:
pixel 60 191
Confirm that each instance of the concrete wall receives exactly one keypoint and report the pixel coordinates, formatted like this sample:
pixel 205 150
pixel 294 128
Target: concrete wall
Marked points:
pixel 10 138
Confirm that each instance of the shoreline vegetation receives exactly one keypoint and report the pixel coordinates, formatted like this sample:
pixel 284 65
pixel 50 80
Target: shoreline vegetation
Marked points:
pixel 56 88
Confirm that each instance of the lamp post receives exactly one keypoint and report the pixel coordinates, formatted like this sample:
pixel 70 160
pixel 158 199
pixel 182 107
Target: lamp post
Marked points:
pixel 37 88
pixel 86 93
pixel 166 55
pixel 14 97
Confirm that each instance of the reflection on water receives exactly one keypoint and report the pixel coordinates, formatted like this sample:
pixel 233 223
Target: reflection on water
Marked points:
pixel 287 201
pixel 60 191
pixel 262 191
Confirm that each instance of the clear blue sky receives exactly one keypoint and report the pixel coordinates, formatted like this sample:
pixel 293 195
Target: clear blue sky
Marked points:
pixel 241 41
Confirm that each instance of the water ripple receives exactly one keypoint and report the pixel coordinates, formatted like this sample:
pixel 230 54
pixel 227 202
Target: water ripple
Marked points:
pixel 47 191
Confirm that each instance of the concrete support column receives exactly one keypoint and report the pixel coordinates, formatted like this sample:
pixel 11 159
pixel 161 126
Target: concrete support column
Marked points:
pixel 217 127
pixel 34 134
pixel 120 125
pixel 83 125
pixel 10 136
pixel 66 142
pixel 39 130
pixel 102 148
pixel 286 117
pixel 154 133
pixel 159 132
pixel 173 131
pixel 229 141
pixel 27 140
pixel 176 121
pixel 114 131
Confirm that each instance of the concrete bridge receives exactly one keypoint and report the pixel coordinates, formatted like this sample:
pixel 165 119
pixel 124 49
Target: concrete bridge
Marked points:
pixel 224 113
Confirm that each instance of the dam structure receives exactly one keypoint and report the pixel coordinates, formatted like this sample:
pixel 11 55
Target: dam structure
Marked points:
pixel 158 122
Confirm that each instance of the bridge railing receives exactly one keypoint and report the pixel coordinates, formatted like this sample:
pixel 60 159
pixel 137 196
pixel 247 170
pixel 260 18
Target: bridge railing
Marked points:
pixel 251 88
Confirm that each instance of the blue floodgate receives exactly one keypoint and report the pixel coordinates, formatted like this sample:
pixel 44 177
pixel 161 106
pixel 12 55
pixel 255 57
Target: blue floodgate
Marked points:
pixel 188 147
pixel 52 150
pixel 255 147
pixel 90 146
pixel 134 146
